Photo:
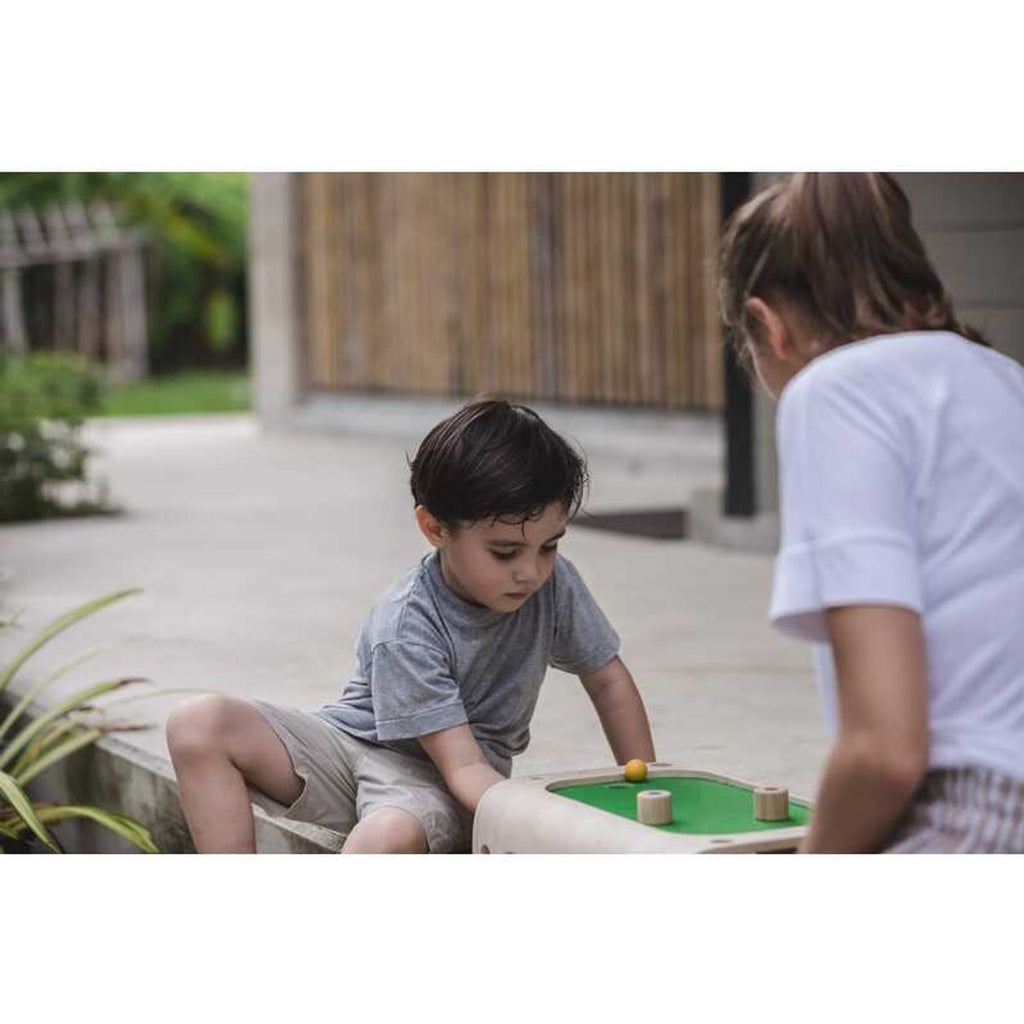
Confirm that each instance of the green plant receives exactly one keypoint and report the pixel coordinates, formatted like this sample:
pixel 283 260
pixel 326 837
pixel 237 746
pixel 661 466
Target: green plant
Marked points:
pixel 44 398
pixel 194 392
pixel 39 743
pixel 196 227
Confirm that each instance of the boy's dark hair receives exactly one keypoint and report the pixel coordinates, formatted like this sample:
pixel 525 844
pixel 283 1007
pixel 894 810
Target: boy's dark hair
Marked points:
pixel 493 459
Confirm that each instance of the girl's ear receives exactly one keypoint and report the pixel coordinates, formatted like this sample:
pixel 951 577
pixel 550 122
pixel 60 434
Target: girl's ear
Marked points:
pixel 772 331
pixel 431 527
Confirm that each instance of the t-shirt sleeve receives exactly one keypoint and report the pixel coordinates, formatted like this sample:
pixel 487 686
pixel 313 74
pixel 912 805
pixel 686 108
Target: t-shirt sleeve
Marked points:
pixel 848 533
pixel 413 691
pixel 584 639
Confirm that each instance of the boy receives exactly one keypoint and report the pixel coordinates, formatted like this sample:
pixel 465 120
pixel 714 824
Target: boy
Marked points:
pixel 450 662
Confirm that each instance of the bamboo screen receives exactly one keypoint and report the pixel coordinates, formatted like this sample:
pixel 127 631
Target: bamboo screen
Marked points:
pixel 580 288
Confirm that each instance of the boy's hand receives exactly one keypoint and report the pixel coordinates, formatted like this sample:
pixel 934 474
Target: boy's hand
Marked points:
pixel 465 769
pixel 621 710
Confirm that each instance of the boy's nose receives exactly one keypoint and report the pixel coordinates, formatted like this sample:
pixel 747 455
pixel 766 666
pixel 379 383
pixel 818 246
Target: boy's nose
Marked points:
pixel 525 573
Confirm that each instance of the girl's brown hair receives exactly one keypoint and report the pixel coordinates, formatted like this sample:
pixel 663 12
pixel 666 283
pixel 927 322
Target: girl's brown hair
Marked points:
pixel 840 248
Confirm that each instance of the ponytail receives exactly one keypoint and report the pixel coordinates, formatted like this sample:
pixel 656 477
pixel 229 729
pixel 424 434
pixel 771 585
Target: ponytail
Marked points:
pixel 843 249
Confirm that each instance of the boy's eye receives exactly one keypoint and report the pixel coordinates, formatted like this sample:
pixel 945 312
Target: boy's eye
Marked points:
pixel 507 556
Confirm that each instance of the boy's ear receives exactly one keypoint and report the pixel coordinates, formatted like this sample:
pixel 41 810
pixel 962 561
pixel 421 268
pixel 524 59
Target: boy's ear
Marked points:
pixel 431 527
pixel 772 331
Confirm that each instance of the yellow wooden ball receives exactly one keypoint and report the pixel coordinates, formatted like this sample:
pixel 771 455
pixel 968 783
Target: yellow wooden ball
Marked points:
pixel 636 770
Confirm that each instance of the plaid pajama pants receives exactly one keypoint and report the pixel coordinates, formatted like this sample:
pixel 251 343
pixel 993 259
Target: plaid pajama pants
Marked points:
pixel 964 810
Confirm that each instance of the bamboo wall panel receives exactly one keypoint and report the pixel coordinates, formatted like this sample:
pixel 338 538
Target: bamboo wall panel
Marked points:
pixel 577 288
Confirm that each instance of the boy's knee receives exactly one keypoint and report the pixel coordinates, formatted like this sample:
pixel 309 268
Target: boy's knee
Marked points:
pixel 389 830
pixel 198 725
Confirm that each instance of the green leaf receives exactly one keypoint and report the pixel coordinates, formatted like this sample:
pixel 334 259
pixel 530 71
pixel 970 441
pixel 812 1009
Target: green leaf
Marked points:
pixel 58 626
pixel 43 742
pixel 128 828
pixel 58 753
pixel 34 728
pixel 19 709
pixel 19 800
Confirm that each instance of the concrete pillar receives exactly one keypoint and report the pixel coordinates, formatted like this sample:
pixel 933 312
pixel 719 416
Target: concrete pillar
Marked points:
pixel 766 464
pixel 759 532
pixel 273 295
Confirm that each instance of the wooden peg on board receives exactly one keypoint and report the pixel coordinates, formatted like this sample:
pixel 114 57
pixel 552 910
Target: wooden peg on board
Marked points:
pixel 654 807
pixel 771 803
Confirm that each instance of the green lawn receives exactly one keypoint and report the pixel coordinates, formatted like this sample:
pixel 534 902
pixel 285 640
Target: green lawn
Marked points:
pixel 181 393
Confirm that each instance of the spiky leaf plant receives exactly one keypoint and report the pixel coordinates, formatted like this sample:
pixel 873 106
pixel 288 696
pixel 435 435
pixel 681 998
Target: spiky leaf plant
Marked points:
pixel 30 746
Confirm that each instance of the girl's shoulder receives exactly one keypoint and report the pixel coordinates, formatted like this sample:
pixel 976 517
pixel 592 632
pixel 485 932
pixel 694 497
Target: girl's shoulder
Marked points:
pixel 896 371
pixel 908 393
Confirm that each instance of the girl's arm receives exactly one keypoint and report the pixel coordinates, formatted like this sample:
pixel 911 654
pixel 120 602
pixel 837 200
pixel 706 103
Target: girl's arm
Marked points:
pixel 881 753
pixel 618 705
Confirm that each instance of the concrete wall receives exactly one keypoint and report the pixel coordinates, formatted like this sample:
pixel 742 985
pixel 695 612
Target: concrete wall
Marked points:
pixel 973 228
pixel 273 298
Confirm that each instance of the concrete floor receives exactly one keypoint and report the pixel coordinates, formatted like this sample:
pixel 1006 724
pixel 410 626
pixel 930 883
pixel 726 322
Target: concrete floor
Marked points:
pixel 259 553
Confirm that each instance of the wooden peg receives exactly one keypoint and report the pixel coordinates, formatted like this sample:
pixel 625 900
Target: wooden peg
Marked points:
pixel 771 803
pixel 654 807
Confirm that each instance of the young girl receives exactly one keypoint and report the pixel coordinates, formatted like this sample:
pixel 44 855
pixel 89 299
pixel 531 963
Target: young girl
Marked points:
pixel 901 454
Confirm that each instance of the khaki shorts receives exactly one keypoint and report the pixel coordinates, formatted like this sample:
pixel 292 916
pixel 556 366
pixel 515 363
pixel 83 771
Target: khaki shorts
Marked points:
pixel 346 778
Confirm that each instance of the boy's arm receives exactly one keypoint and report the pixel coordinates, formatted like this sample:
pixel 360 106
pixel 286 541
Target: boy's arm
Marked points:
pixel 466 771
pixel 618 705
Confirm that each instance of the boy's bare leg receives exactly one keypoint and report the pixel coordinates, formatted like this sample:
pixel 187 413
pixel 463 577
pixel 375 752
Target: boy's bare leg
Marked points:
pixel 217 745
pixel 389 830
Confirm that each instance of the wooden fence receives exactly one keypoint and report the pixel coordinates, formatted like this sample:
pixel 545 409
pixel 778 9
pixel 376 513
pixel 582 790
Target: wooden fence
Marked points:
pixel 578 288
pixel 73 278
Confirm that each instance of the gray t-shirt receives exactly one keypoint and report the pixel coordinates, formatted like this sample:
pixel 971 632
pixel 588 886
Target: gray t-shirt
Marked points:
pixel 428 660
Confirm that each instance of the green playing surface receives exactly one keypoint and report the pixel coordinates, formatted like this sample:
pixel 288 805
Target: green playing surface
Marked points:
pixel 699 806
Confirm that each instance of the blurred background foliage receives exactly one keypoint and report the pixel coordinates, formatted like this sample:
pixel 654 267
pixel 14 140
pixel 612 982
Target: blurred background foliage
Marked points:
pixel 195 258
pixel 44 399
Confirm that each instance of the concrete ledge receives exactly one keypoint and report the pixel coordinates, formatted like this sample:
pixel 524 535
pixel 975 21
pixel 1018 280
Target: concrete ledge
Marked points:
pixel 115 775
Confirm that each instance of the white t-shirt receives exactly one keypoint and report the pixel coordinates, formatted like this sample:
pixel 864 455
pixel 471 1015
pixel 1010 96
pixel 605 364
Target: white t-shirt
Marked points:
pixel 901 462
